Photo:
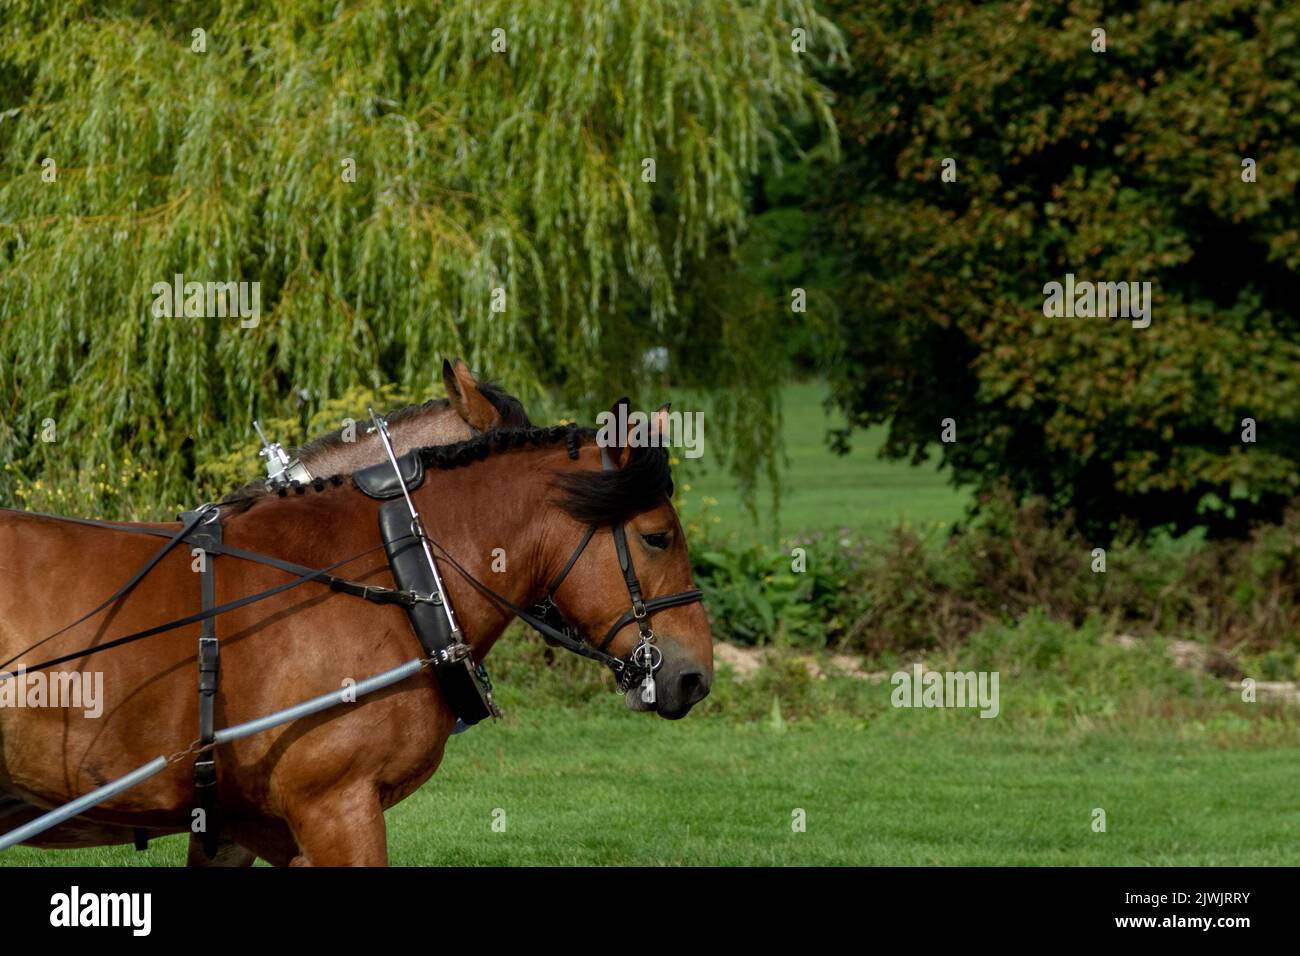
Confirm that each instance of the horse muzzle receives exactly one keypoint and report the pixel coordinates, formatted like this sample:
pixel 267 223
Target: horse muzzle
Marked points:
pixel 679 686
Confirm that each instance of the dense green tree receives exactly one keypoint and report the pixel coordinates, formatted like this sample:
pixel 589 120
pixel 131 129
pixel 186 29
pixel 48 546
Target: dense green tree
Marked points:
pixel 1122 165
pixel 500 149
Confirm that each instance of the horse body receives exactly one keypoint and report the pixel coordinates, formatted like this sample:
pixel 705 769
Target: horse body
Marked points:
pixel 470 407
pixel 313 791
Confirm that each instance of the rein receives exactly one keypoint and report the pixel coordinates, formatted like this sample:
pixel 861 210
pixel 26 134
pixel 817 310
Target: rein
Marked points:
pixel 369 592
pixel 126 588
pixel 626 669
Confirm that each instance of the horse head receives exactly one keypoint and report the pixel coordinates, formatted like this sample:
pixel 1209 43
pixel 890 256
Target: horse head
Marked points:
pixel 633 555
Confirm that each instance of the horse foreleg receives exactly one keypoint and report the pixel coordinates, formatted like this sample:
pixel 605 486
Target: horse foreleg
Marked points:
pixel 340 829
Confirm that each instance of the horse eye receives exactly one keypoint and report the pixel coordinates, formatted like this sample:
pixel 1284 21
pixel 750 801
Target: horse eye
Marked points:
pixel 657 541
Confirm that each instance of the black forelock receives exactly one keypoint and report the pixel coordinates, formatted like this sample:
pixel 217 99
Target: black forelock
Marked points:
pixel 610 497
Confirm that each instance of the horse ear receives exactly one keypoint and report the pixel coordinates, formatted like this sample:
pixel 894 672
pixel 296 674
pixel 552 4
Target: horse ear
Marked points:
pixel 621 411
pixel 449 379
pixel 659 423
pixel 470 403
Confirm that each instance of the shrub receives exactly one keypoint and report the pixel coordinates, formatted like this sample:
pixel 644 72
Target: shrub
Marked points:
pixel 754 596
pixel 1117 166
pixel 908 593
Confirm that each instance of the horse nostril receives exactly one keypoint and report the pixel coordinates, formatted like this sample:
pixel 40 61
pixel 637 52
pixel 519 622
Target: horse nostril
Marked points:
pixel 694 687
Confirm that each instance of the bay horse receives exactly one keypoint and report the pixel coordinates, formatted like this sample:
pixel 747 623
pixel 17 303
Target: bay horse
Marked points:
pixel 313 792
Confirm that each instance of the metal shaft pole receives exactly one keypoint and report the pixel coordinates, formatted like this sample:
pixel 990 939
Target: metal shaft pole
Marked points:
pixel 83 803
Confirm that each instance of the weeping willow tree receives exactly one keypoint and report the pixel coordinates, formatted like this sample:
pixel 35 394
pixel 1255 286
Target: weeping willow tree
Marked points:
pixel 545 189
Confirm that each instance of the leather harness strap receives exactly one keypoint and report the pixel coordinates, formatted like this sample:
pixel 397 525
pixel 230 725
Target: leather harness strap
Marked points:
pixel 464 682
pixel 207 538
pixel 377 595
pixel 374 593
pixel 173 539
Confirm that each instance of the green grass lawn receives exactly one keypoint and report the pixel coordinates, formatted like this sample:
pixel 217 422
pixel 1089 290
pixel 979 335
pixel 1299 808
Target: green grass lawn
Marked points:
pixel 823 490
pixel 600 786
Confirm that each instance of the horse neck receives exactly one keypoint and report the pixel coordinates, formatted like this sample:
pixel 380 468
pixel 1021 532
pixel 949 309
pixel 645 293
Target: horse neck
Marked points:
pixel 436 426
pixel 495 503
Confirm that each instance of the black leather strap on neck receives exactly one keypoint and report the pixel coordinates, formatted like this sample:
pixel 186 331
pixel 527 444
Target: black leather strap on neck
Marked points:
pixel 552 634
pixel 191 520
pixel 206 536
pixel 464 682
pixel 573 559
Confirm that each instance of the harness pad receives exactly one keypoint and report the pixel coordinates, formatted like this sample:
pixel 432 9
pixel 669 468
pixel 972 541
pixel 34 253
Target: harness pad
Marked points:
pixel 378 481
pixel 464 683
